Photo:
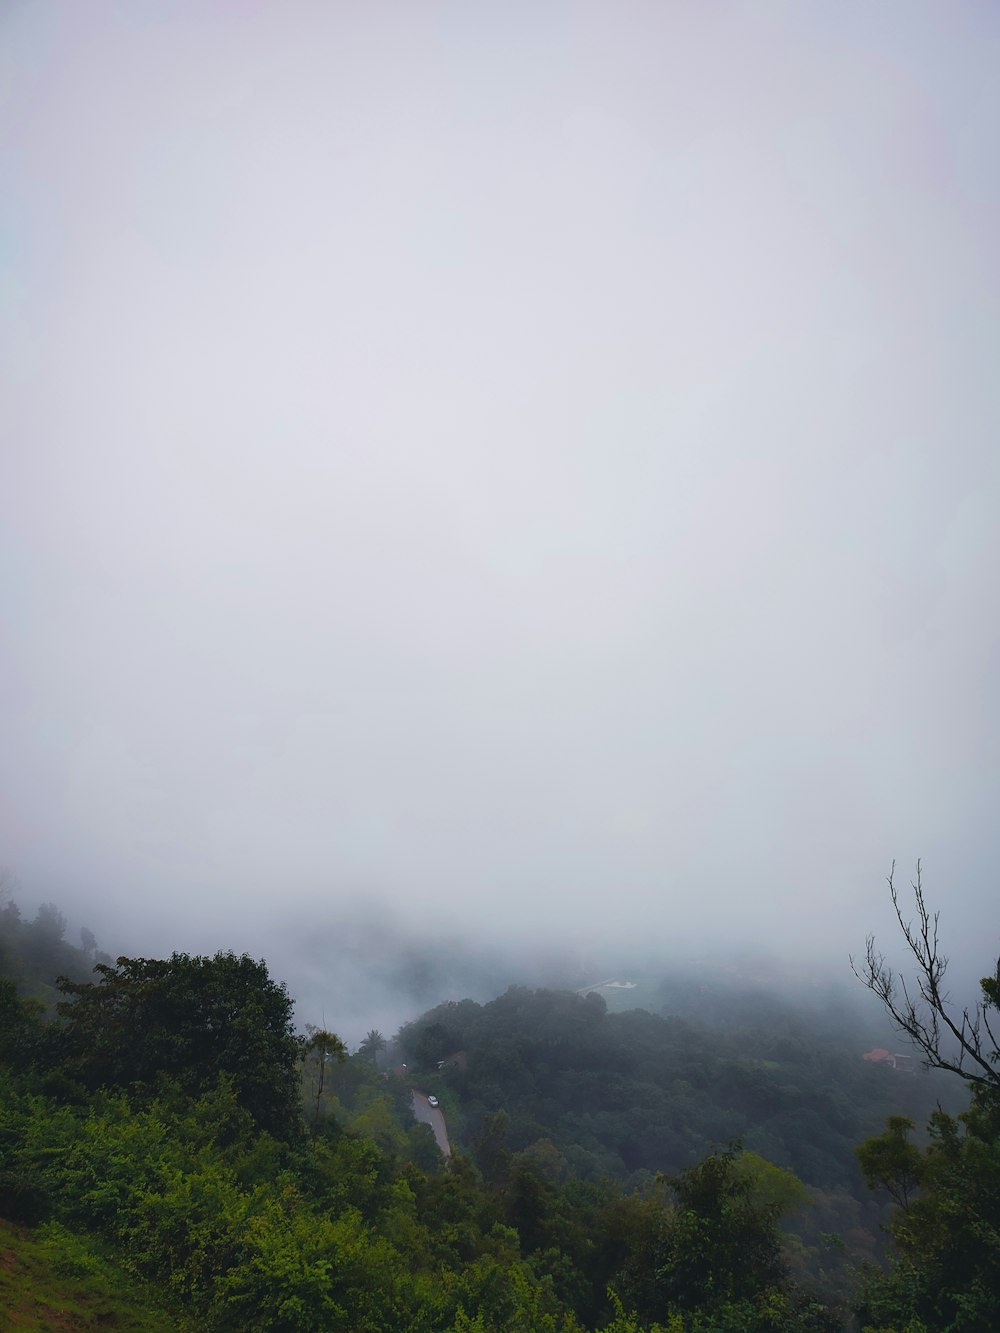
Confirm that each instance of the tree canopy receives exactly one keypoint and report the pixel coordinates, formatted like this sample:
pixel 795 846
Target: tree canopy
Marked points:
pixel 190 1020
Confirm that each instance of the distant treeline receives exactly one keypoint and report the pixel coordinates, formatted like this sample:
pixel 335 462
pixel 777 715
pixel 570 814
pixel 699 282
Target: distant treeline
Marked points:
pixel 34 952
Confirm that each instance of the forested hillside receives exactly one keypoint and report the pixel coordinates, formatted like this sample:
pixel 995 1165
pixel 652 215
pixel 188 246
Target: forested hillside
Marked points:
pixel 175 1154
pixel 636 1092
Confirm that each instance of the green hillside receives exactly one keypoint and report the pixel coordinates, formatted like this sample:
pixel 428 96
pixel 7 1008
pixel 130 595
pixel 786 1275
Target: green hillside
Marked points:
pixel 174 1154
pixel 51 1279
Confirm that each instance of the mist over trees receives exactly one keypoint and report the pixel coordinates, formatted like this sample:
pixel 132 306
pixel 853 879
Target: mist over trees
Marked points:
pixel 563 501
pixel 499 546
pixel 170 1137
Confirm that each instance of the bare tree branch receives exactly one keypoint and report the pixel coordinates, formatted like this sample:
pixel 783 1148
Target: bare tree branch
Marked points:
pixel 928 1017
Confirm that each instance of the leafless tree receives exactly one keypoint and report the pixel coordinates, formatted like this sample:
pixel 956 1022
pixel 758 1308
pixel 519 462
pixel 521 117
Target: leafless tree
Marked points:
pixel 961 1041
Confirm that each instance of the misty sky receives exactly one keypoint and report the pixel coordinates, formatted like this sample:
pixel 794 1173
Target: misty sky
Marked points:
pixel 526 464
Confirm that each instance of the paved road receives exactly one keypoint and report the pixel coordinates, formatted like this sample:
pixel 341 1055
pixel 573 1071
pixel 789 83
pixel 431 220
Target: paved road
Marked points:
pixel 433 1116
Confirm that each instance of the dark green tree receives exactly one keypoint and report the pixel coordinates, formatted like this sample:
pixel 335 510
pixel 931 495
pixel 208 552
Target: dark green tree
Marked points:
pixel 713 1253
pixel 20 1026
pixel 323 1047
pixel 891 1162
pixel 189 1020
pixel 723 1241
pixel 372 1046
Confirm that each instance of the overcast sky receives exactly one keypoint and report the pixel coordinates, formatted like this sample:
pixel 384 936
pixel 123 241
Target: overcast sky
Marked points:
pixel 524 464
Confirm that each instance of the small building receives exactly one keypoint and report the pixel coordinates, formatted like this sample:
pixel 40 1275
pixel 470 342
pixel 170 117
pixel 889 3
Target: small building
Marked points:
pixel 880 1056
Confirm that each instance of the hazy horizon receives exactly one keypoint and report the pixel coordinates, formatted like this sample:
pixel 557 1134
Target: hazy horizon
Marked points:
pixel 508 472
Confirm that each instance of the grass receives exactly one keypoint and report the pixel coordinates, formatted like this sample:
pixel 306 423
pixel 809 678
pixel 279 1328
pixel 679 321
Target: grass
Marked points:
pixel 54 1281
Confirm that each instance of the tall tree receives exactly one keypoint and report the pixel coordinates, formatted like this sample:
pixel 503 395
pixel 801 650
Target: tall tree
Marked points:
pixel 372 1046
pixel 324 1046
pixel 191 1020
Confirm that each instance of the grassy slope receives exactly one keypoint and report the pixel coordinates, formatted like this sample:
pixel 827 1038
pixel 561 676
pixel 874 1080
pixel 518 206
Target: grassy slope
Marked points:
pixel 45 1289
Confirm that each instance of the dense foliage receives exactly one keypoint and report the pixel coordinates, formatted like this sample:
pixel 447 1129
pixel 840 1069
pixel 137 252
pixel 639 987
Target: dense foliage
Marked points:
pixel 635 1093
pixel 946 1271
pixel 167 1140
pixel 189 1020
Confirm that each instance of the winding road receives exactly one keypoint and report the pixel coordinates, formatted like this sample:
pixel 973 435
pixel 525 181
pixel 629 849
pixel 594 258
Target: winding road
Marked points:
pixel 433 1116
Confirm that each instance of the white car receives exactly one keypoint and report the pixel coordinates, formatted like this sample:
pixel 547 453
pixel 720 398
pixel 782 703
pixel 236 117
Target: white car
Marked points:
pixel 432 1101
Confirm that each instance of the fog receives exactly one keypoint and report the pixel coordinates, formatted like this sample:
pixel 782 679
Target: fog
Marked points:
pixel 524 475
